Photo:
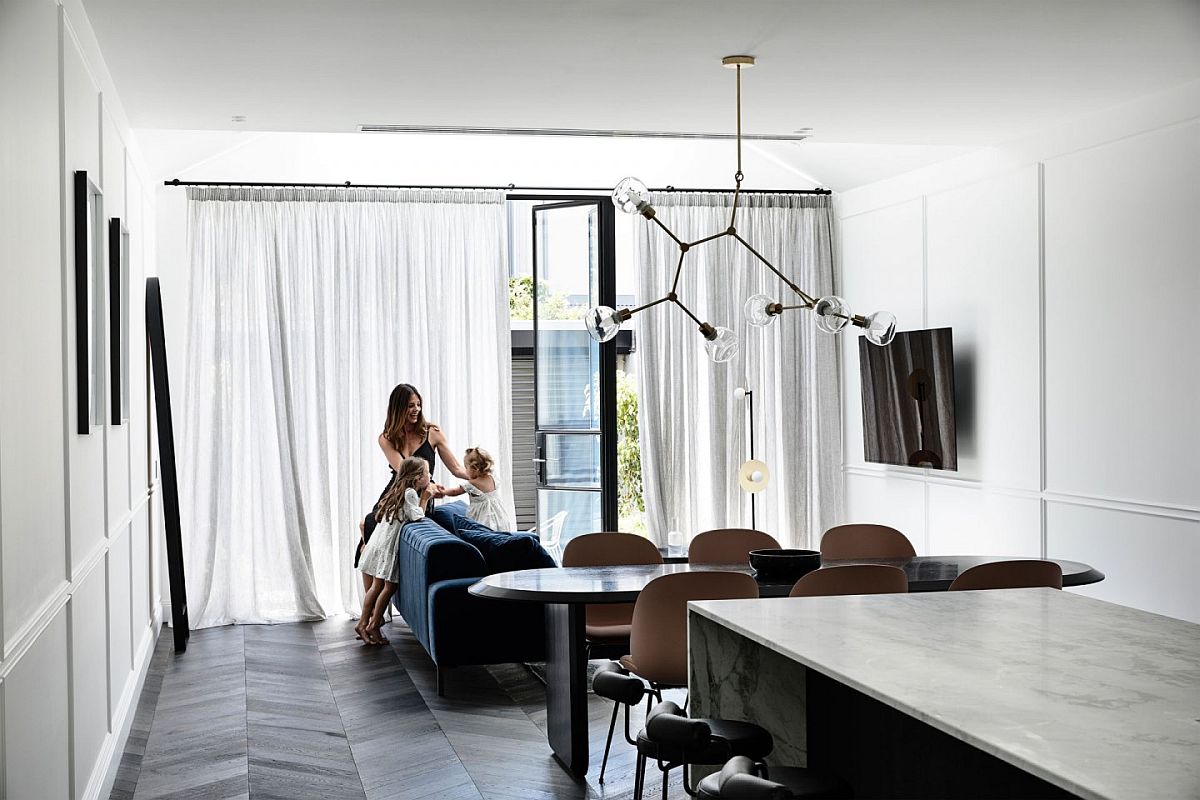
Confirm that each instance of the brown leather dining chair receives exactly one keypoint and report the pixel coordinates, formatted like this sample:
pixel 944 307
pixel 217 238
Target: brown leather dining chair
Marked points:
pixel 728 545
pixel 658 649
pixel 865 540
pixel 1017 574
pixel 607 625
pixel 851 579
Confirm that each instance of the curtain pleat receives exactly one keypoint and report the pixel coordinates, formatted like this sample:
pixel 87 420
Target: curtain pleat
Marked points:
pixel 693 430
pixel 306 307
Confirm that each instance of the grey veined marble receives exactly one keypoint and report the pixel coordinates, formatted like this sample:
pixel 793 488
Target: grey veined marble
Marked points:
pixel 1098 699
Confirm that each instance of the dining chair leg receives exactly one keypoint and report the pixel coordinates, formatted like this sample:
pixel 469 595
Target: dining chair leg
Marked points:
pixel 639 777
pixel 612 726
pixel 666 774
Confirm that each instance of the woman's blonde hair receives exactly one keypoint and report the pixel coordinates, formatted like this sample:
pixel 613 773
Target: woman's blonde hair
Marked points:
pixel 390 505
pixel 480 459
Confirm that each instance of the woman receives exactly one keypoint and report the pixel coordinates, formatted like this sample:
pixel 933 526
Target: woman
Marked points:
pixel 407 433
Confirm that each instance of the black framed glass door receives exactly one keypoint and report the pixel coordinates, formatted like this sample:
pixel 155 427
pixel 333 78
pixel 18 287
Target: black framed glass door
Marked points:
pixel 575 377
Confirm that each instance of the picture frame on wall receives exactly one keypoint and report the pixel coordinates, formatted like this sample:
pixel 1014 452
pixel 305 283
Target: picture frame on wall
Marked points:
pixel 118 320
pixel 89 309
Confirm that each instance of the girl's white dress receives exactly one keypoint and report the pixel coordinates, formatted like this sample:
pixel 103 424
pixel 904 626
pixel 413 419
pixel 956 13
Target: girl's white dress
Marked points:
pixel 379 555
pixel 487 508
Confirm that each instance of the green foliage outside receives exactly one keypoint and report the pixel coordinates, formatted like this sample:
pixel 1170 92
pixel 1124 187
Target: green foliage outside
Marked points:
pixel 631 507
pixel 551 305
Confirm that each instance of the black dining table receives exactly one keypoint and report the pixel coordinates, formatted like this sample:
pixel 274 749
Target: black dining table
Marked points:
pixel 567 590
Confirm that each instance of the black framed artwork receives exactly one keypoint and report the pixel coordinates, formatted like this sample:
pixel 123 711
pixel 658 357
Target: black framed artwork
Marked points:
pixel 118 320
pixel 89 328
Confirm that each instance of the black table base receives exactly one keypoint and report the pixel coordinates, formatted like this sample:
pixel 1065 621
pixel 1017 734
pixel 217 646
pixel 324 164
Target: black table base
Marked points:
pixel 566 686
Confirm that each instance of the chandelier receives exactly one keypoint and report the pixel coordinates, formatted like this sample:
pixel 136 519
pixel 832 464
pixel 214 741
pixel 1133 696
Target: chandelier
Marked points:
pixel 832 312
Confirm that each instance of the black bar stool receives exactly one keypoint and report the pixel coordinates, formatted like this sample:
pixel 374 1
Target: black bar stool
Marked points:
pixel 744 779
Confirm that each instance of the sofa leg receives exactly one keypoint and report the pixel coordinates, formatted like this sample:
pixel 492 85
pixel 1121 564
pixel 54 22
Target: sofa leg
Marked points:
pixel 441 682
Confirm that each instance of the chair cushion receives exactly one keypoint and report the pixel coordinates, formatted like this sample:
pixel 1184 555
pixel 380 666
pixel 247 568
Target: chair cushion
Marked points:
pixel 607 634
pixel 736 739
pixel 610 683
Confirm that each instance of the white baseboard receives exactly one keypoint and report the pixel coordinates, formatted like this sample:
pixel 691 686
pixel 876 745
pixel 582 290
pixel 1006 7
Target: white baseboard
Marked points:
pixel 109 761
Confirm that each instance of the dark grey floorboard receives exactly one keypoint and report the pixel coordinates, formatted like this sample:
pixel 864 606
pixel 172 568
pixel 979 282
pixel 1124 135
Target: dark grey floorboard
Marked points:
pixel 288 712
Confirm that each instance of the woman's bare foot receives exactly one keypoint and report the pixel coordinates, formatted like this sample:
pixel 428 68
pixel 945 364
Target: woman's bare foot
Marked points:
pixel 360 630
pixel 376 636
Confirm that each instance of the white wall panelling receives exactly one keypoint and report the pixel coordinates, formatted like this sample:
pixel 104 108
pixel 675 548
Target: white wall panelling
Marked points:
pixel 33 554
pixel 965 518
pixel 90 696
pixel 882 266
pixel 76 573
pixel 36 750
pixel 1123 279
pixel 1068 272
pixel 983 266
pixel 1149 560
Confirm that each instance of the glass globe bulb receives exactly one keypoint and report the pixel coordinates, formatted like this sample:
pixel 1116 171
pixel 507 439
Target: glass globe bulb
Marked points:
pixel 832 314
pixel 757 310
pixel 881 328
pixel 631 196
pixel 602 323
pixel 723 346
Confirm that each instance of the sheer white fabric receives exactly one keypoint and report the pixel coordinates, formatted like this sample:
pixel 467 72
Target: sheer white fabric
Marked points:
pixel 306 307
pixel 693 431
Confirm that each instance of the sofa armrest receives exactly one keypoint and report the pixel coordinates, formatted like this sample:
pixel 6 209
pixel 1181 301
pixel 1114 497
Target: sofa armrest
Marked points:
pixel 466 629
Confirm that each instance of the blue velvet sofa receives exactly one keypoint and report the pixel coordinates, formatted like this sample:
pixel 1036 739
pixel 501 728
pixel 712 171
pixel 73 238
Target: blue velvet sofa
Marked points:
pixel 456 628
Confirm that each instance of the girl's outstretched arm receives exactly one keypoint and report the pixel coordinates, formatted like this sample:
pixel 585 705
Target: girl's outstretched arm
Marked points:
pixel 438 440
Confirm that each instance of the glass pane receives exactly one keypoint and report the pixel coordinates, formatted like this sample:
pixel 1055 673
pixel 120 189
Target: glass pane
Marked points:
pixel 572 460
pixel 568 360
pixel 583 511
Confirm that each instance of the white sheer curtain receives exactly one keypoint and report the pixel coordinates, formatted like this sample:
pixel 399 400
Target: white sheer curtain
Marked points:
pixel 693 431
pixel 306 307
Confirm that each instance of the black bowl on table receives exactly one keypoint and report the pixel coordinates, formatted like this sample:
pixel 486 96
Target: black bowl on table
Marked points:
pixel 778 565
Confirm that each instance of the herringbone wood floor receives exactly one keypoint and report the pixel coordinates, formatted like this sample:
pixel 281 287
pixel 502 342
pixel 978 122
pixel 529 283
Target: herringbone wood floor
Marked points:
pixel 304 711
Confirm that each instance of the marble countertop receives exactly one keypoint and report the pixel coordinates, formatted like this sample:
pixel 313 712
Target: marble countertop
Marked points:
pixel 1100 699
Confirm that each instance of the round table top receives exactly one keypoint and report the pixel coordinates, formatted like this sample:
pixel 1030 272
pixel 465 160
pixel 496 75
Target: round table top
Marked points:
pixel 623 584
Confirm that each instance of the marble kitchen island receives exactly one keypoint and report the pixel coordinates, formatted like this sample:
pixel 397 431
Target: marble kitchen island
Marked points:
pixel 1012 693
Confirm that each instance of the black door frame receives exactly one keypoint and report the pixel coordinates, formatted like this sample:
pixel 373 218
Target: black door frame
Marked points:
pixel 607 288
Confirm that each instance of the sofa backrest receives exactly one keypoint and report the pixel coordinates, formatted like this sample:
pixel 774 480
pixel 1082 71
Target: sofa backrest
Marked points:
pixel 429 554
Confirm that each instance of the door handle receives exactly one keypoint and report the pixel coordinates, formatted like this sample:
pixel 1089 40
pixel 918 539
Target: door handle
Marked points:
pixel 538 460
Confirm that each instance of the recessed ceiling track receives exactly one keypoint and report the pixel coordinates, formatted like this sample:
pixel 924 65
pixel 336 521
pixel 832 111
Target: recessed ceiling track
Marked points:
pixel 583 132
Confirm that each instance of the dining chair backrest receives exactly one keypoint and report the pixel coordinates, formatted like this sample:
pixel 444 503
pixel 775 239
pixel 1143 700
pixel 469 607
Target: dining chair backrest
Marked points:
pixel 610 549
pixel 728 545
pixel 658 644
pixel 865 540
pixel 1018 574
pixel 851 579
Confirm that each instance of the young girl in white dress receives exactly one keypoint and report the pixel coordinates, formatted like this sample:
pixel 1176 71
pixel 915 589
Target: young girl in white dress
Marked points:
pixel 486 506
pixel 403 502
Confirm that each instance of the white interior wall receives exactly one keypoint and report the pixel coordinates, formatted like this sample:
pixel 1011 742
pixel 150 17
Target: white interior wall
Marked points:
pixel 1066 265
pixel 78 618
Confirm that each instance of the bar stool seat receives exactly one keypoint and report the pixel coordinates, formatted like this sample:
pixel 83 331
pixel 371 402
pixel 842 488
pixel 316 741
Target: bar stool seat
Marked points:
pixel 729 737
pixel 737 780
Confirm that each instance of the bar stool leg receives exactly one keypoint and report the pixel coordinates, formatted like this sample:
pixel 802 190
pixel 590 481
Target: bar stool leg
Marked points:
pixel 612 726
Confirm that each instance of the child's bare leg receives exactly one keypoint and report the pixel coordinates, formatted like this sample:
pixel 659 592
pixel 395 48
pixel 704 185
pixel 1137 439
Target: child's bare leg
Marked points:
pixel 381 601
pixel 362 629
pixel 362 534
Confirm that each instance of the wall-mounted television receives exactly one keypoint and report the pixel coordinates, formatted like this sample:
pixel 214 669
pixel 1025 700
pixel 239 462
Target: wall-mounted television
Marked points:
pixel 908 400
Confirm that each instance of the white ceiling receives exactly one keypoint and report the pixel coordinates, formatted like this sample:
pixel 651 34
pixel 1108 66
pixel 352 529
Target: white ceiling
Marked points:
pixel 960 73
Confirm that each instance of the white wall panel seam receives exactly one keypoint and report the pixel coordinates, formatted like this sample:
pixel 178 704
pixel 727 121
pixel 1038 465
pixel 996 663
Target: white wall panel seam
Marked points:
pixel 63 29
pixel 1042 428
pixel 1182 513
pixel 126 519
pixel 31 631
pixel 71 697
pixel 108 640
pixel 88 564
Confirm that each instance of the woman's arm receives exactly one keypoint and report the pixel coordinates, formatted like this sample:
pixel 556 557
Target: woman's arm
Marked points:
pixel 393 455
pixel 438 440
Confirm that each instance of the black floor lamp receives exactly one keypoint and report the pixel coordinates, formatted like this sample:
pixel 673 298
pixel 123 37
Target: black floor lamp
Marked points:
pixel 752 475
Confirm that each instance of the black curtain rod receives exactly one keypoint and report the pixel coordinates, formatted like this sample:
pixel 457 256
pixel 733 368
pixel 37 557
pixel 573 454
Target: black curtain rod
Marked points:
pixel 509 188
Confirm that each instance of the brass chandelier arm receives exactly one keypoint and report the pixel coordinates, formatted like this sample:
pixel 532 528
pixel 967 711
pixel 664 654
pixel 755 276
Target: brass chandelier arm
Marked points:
pixel 686 310
pixel 727 232
pixel 669 232
pixel 678 271
pixel 809 301
pixel 651 304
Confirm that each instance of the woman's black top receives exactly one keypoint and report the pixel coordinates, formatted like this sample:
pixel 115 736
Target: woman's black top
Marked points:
pixel 426 452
